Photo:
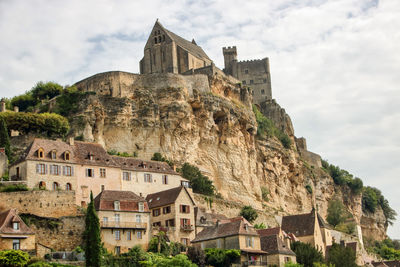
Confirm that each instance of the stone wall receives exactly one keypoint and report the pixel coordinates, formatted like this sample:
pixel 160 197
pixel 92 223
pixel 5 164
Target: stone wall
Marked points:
pixel 311 158
pixel 53 204
pixel 272 110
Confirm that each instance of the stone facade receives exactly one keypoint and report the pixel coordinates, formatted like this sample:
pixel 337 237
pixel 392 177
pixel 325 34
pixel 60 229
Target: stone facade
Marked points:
pixel 167 52
pixel 253 73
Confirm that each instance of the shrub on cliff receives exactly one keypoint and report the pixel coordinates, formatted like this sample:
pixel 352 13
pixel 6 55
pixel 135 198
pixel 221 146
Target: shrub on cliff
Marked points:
pixel 343 177
pixel 306 254
pixel 200 183
pixel 68 101
pixel 4 137
pixel 92 236
pixel 249 213
pixel 341 256
pixel 50 124
pixel 371 198
pixel 337 213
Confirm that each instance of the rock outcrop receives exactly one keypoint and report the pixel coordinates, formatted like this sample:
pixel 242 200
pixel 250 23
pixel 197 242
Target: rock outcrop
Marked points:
pixel 208 122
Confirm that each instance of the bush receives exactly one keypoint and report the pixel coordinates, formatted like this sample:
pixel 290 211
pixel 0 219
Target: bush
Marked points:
pixel 199 183
pixel 291 264
pixel 24 102
pixel 46 90
pixel 220 257
pixel 264 193
pixel 266 128
pixel 197 256
pixel 13 258
pixel 50 124
pixel 343 177
pixel 249 213
pixel 13 188
pixel 306 254
pixel 341 256
pixel 68 101
pixel 369 199
pixel 309 189
pixel 336 212
pixel 260 226
pixel 40 264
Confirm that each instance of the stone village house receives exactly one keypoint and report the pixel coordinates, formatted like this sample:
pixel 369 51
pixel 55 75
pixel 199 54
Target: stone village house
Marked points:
pixel 172 212
pixel 14 233
pixel 124 220
pixel 85 167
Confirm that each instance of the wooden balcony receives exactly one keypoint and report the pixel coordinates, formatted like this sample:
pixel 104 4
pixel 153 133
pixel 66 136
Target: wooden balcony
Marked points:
pixel 187 228
pixel 123 225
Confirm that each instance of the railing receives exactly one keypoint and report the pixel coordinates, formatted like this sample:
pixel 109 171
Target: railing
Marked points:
pixel 187 228
pixel 163 228
pixel 131 225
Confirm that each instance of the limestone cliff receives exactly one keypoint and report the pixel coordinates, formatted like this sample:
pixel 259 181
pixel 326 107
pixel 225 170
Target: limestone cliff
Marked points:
pixel 208 121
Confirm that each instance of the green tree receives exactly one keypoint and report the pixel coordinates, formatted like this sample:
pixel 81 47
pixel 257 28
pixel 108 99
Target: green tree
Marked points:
pixel 336 213
pixel 92 236
pixel 200 183
pixel 46 90
pixel 158 244
pixel 23 102
pixel 306 254
pixel 260 226
pixel 136 255
pixel 369 199
pixel 4 137
pixel 197 256
pixel 249 213
pixel 220 257
pixel 341 256
pixel 13 258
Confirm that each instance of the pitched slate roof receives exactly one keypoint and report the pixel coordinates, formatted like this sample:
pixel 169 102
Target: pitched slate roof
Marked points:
pixel 231 228
pixel 134 164
pixel 6 226
pixel 165 197
pixel 269 231
pixel 300 225
pixel 191 47
pixel 128 200
pixel 274 245
pixel 207 219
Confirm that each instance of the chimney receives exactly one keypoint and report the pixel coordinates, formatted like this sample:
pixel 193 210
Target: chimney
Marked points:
pixel 174 167
pixel 16 109
pixel 71 141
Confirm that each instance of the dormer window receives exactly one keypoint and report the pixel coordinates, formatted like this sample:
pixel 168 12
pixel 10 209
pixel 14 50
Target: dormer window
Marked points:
pixel 141 206
pixel 246 226
pixel 90 156
pixel 40 153
pixel 53 154
pixel 67 155
pixel 16 225
pixel 116 205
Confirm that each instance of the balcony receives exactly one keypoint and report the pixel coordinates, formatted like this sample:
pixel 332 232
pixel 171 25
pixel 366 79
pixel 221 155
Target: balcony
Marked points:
pixel 123 225
pixel 187 228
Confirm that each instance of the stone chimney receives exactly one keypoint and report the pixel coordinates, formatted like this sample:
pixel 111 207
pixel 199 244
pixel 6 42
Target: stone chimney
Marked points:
pixel 174 167
pixel 16 109
pixel 71 141
pixel 2 105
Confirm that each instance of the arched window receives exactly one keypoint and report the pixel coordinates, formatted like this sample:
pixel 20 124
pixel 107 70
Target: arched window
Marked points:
pixel 67 155
pixel 116 205
pixel 53 154
pixel 41 153
pixel 55 186
pixel 155 40
pixel 68 187
pixel 42 185
pixel 159 39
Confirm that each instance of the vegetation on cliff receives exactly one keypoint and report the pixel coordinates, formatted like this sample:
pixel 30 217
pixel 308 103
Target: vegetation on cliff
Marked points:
pixel 343 177
pixel 387 249
pixel 92 236
pixel 4 137
pixel 306 254
pixel 249 213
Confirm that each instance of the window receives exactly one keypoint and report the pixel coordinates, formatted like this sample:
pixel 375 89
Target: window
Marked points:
pixel 155 40
pixel 42 185
pixel 244 81
pixel 167 210
pixel 139 234
pixel 287 259
pixel 263 92
pixel 251 82
pixel 102 187
pixel 126 176
pixel 185 241
pixel 105 220
pixel 185 222
pixel 141 206
pixel 41 168
pixel 55 169
pixel 165 179
pixel 185 184
pixel 117 249
pixel 66 155
pixel 53 154
pixel 68 187
pixel 147 178
pixel 41 153
pixel 265 81
pixel 157 224
pixel 102 173
pixel 156 212
pixel 170 223
pixel 117 235
pixel 246 71
pixel 184 208
pixel 116 218
pixel 16 225
pixel 90 156
pixel 202 245
pixel 138 218
pixel 68 170
pixel 116 205
pixel 128 235
pixel 89 172
pixel 249 241
pixel 16 244
pixel 55 186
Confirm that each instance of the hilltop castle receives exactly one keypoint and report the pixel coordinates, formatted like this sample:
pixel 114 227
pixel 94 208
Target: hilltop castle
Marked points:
pixel 166 52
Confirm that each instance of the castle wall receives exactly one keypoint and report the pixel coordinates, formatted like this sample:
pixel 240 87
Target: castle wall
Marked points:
pixel 41 203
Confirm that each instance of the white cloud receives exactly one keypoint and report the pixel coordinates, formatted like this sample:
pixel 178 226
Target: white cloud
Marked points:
pixel 335 64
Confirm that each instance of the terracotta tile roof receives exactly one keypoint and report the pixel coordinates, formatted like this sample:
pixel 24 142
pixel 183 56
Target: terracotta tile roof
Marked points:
pixel 134 164
pixel 234 227
pixel 6 224
pixel 274 245
pixel 165 197
pixel 128 200
pixel 300 225
pixel 393 263
pixel 269 231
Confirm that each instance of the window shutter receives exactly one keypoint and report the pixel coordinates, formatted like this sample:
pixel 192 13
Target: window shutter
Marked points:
pixel 188 209
pixel 188 221
pixel 182 222
pixel 63 170
pixel 87 173
pixel 151 178
pixel 93 173
pixel 51 169
pixel 180 208
pixel 37 168
pixel 45 168
pixel 72 171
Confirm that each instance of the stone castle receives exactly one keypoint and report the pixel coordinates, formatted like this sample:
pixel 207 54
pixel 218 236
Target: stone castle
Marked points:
pixel 166 52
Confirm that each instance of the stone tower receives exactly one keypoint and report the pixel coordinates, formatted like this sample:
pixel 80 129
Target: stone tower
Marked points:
pixel 230 55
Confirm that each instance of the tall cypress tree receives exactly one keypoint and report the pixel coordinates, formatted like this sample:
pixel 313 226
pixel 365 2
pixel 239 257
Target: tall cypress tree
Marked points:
pixel 4 137
pixel 92 236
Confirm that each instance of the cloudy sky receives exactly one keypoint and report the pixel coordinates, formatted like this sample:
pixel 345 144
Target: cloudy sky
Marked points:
pixel 335 64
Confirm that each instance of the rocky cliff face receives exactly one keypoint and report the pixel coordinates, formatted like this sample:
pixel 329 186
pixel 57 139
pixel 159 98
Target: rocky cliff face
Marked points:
pixel 209 123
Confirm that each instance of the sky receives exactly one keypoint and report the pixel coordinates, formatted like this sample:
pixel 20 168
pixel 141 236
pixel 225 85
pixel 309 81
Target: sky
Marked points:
pixel 335 65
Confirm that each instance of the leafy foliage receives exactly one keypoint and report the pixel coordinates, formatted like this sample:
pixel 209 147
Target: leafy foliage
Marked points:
pixel 92 236
pixel 24 102
pixel 67 102
pixel 50 124
pixel 264 193
pixel 306 254
pixel 4 137
pixel 249 213
pixel 13 258
pixel 387 249
pixel 371 198
pixel 260 226
pixel 291 264
pixel 46 90
pixel 158 157
pixel 159 244
pixel 158 260
pixel 197 256
pixel 220 257
pixel 120 154
pixel 341 256
pixel 200 183
pixel 266 128
pixel 343 177
pixel 336 212
pixel 13 188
